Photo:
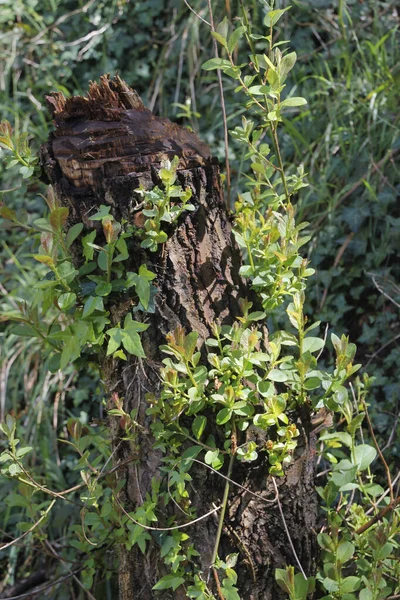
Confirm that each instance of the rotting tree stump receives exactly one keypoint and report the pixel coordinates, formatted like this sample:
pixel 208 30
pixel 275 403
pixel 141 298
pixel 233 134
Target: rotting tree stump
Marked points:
pixel 103 147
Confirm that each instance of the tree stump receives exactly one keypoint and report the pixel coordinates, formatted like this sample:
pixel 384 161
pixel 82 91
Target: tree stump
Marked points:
pixel 103 148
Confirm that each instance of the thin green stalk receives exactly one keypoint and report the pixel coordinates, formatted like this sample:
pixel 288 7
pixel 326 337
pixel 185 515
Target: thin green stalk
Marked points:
pixel 223 510
pixel 281 169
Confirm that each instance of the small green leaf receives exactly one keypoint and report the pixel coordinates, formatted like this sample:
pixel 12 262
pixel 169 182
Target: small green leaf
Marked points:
pixel 312 344
pixel 345 551
pixel 102 213
pixel 103 288
pixel 92 303
pixel 87 241
pixel 223 416
pixel 295 101
pixel 115 340
pixel 234 38
pixel 216 63
pixel 220 38
pixel 132 344
pixel 277 375
pixel 199 425
pixel 273 16
pixel 73 233
pixel 364 455
pixel 66 301
pixel 349 584
pixel 71 351
pixel 169 582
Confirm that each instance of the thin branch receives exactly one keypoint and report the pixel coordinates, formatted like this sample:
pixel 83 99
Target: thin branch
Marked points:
pixel 379 516
pixel 63 18
pixel 197 14
pixel 223 108
pixel 385 493
pixel 148 527
pixel 388 476
pixel 45 587
pixel 222 514
pixel 34 526
pixel 371 358
pixel 287 530
pixel 242 487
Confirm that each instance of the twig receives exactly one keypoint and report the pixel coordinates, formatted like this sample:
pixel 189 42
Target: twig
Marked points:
pixel 218 584
pixel 242 487
pixel 88 36
pixel 371 358
pixel 148 527
pixel 379 516
pixel 222 514
pixel 287 530
pixel 385 493
pixel 223 108
pixel 388 476
pixel 63 18
pixel 197 14
pixel 45 587
pixel 48 509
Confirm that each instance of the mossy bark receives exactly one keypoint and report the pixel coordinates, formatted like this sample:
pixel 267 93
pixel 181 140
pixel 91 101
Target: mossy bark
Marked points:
pixel 103 147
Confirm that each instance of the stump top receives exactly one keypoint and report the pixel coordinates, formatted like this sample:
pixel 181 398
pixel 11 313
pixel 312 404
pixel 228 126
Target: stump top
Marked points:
pixel 110 133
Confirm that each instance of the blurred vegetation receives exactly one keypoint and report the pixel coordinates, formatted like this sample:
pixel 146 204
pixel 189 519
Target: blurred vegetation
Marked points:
pixel 347 138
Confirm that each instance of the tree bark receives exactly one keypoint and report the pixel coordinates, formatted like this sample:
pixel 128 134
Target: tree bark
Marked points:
pixel 104 146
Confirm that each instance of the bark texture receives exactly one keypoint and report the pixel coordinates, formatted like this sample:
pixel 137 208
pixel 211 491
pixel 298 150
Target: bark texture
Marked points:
pixel 103 147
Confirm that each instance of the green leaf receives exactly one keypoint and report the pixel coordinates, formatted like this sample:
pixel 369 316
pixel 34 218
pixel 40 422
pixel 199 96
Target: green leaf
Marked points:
pixel 103 288
pixel 44 259
pixel 92 303
pixel 132 344
pixel 312 344
pixel 199 425
pixel 277 375
pixel 73 233
pixel 349 584
pixel 169 582
pixel 295 101
pixel 287 64
pixel 220 38
pixel 216 63
pixel 345 551
pixel 115 340
pixel 142 287
pixel 234 38
pixel 312 383
pixel 273 16
pixel 223 416
pixel 87 241
pixel 66 301
pixel 102 213
pixel 71 351
pixel 130 324
pixel 364 455
pixel 341 436
pixel 366 595
pixel 66 271
pixel 190 343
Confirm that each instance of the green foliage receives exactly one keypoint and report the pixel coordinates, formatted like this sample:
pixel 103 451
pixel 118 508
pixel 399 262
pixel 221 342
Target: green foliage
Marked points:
pixel 250 382
pixel 158 208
